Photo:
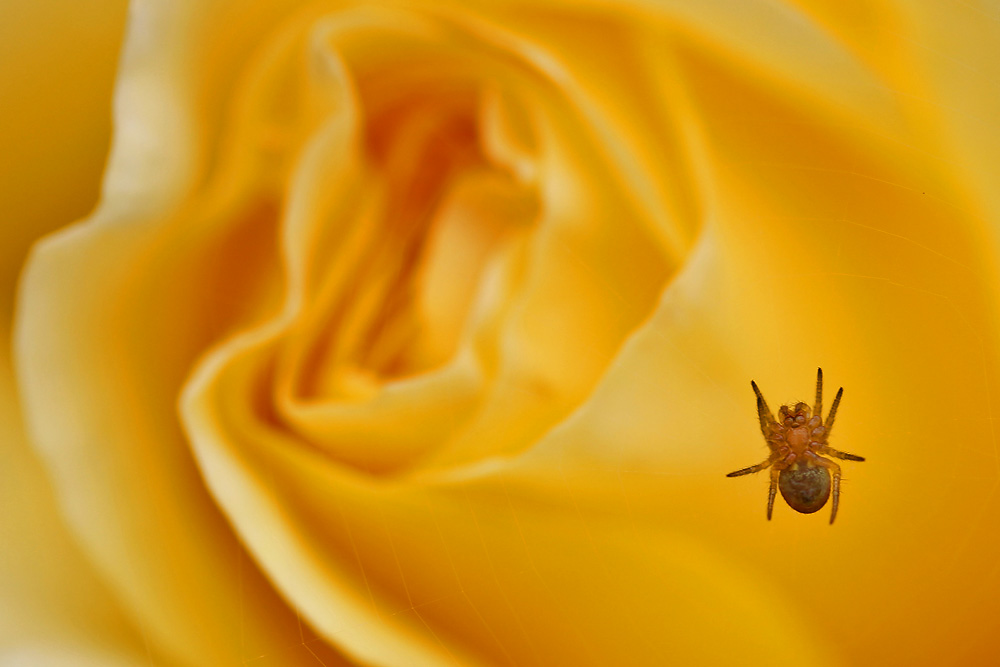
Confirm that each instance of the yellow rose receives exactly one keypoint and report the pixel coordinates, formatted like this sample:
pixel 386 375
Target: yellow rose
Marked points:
pixel 415 333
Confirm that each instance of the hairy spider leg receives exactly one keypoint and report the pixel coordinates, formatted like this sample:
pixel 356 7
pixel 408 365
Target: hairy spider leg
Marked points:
pixel 818 410
pixel 835 472
pixel 754 468
pixel 765 418
pixel 833 410
pixel 772 491
pixel 837 454
pixel 763 412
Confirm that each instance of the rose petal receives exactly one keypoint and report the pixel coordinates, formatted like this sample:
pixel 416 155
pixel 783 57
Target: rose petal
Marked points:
pixel 50 594
pixel 68 655
pixel 129 487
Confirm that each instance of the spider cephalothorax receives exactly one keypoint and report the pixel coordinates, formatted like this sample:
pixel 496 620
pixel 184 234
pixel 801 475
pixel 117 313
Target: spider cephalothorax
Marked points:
pixel 797 440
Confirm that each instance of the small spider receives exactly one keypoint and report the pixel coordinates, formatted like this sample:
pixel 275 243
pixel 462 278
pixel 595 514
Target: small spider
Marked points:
pixel 798 444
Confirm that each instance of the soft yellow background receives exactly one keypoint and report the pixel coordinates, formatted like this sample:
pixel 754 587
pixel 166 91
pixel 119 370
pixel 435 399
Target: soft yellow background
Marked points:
pixel 57 68
pixel 820 183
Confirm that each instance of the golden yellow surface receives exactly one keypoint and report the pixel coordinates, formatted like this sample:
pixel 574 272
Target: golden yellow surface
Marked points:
pixel 421 333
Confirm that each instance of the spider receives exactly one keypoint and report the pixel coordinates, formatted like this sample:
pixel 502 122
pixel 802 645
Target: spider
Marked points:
pixel 798 444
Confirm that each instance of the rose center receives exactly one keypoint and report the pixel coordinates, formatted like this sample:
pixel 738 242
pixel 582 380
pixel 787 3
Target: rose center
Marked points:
pixel 444 212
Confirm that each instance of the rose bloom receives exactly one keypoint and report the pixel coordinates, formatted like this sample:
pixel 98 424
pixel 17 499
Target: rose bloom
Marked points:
pixel 421 333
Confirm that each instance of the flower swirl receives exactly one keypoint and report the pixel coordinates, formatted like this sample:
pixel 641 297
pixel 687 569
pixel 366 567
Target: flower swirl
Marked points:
pixel 418 334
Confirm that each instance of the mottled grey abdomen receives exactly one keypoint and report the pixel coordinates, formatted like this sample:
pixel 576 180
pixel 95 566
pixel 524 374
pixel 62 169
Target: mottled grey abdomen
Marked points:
pixel 805 487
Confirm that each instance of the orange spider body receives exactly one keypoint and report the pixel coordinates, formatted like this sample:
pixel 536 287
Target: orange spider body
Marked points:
pixel 798 444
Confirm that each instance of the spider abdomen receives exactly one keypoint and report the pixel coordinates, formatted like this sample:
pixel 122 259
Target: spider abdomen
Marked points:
pixel 804 486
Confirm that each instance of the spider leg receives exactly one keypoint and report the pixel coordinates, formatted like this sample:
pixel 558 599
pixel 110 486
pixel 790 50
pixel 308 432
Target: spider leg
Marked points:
pixel 835 473
pixel 837 454
pixel 763 412
pixel 763 416
pixel 772 491
pixel 818 409
pixel 833 410
pixel 754 468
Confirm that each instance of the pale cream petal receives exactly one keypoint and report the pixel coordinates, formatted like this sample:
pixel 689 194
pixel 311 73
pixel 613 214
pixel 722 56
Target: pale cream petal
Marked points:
pixel 103 344
pixel 50 594
pixel 56 74
pixel 67 655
